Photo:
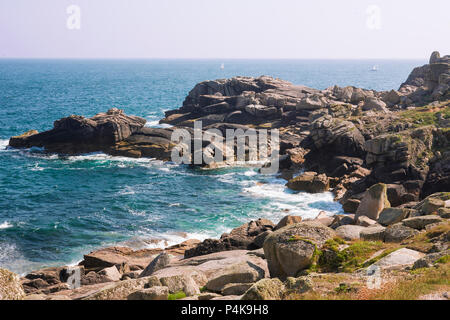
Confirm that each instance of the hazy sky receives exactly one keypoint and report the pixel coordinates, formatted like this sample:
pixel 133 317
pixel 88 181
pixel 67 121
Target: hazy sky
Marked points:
pixel 224 29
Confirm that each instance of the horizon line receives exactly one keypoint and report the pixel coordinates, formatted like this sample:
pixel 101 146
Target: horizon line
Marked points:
pixel 194 58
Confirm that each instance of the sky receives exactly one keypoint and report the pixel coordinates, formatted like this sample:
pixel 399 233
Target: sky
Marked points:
pixel 226 29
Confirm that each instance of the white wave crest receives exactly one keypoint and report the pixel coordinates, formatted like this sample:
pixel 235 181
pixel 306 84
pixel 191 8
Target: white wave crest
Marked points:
pixel 5 225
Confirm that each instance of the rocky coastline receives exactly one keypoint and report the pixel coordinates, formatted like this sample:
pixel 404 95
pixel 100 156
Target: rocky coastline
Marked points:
pixel 384 155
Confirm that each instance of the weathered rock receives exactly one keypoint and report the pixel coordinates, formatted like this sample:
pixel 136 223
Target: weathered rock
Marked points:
pixel 76 134
pixel 444 213
pixel 265 289
pixel 208 296
pixel 10 287
pixel 287 220
pixel 342 220
pixel 122 289
pixel 179 283
pixel 373 234
pixel 373 202
pixel 421 222
pixel 298 285
pixel 399 259
pixel 207 267
pixel 235 289
pixel 112 256
pixel 243 237
pixel 375 104
pixel 111 273
pixel 433 203
pixel 429 260
pixel 337 136
pixel 398 232
pixel 162 260
pixel 351 205
pixel 291 249
pixel 310 182
pixel 237 273
pixel 391 216
pixel 364 221
pixel 349 232
pixel 153 293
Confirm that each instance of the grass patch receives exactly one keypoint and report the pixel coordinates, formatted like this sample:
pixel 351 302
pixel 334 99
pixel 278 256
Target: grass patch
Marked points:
pixel 427 115
pixel 331 259
pixel 177 295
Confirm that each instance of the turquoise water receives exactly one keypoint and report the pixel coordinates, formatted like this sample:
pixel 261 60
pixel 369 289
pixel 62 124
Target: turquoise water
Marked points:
pixel 54 209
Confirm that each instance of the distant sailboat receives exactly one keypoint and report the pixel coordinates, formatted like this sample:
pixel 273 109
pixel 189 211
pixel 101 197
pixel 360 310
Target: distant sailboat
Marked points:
pixel 374 68
pixel 222 66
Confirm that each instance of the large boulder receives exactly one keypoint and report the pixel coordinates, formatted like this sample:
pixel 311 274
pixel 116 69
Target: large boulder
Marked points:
pixel 398 232
pixel 265 289
pixel 10 287
pixel 207 267
pixel 183 282
pixel 393 215
pixel 112 256
pixel 421 222
pixel 373 203
pixel 310 182
pixel 153 293
pixel 122 289
pixel 373 234
pixel 350 232
pixel 433 203
pixel 237 273
pixel 287 220
pixel 399 259
pixel 292 248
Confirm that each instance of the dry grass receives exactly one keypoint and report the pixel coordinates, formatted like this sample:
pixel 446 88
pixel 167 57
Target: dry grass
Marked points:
pixel 424 282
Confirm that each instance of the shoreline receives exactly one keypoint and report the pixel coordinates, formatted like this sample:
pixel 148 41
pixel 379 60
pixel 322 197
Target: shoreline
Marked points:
pixel 383 155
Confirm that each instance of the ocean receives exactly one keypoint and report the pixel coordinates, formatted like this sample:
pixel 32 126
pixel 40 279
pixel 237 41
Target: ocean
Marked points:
pixel 55 209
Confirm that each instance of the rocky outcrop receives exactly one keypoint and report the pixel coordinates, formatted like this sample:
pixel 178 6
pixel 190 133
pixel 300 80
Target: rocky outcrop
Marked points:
pixel 429 82
pixel 337 136
pixel 248 236
pixel 76 134
pixel 310 182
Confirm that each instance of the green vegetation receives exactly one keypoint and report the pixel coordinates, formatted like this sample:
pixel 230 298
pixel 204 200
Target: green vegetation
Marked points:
pixel 427 115
pixel 331 259
pixel 177 295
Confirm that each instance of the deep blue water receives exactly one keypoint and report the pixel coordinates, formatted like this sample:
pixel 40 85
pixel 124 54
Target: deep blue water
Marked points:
pixel 52 209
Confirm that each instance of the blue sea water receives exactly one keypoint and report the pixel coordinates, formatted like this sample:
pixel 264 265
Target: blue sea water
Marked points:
pixel 55 209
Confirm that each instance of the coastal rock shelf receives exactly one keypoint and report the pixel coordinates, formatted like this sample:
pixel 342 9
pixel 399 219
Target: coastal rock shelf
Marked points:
pixel 384 155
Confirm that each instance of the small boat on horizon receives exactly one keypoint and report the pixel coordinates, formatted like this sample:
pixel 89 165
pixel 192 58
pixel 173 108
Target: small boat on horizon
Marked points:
pixel 222 66
pixel 374 68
